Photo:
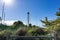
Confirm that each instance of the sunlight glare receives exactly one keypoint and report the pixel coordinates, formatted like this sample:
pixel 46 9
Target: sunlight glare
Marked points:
pixel 8 2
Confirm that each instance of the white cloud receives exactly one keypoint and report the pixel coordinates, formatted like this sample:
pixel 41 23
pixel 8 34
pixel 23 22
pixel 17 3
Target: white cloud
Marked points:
pixel 9 22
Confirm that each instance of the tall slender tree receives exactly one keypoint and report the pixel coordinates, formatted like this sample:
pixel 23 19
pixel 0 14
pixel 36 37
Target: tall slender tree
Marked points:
pixel 0 20
pixel 58 13
pixel 46 22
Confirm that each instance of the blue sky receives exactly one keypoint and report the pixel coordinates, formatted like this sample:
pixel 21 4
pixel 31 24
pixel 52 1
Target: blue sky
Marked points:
pixel 38 10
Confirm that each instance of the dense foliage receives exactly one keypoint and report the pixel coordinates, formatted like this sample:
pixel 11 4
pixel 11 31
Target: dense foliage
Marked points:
pixel 18 28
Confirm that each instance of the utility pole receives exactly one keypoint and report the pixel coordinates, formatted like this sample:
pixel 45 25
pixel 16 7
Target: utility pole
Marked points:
pixel 3 13
pixel 28 19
